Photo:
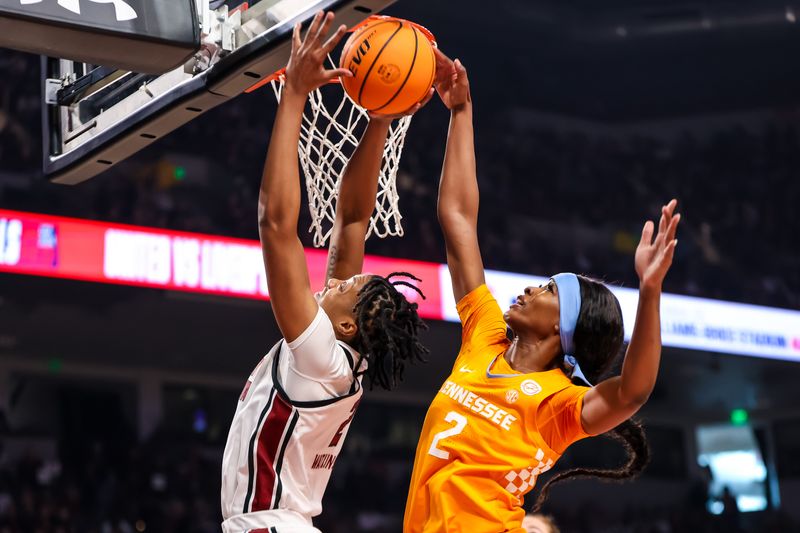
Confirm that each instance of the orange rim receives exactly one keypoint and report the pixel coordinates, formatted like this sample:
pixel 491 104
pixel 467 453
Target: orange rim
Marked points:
pixel 268 79
pixel 280 73
pixel 241 7
pixel 425 31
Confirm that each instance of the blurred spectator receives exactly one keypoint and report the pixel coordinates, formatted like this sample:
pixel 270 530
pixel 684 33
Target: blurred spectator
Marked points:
pixel 538 523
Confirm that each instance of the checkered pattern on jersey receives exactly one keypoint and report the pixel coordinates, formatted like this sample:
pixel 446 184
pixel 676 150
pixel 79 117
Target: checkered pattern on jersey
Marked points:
pixel 520 481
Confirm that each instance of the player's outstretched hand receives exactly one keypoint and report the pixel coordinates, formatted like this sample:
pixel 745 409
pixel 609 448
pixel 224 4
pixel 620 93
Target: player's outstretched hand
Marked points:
pixel 306 68
pixel 451 81
pixel 654 256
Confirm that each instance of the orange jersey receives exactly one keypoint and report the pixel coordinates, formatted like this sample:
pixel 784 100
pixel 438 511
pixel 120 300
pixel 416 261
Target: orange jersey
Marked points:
pixel 489 432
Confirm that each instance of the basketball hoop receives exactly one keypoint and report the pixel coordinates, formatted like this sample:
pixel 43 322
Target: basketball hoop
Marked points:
pixel 328 139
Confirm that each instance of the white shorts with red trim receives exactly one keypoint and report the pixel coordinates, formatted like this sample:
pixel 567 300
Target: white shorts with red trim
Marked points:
pixel 275 521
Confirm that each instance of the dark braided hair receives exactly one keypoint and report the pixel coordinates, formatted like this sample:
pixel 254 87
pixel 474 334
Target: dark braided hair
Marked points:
pixel 598 339
pixel 388 327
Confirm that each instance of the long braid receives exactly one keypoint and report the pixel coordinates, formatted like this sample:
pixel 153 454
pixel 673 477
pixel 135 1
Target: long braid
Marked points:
pixel 388 327
pixel 632 437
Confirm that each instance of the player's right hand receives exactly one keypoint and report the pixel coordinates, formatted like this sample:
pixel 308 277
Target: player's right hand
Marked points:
pixel 306 68
pixel 654 256
pixel 451 82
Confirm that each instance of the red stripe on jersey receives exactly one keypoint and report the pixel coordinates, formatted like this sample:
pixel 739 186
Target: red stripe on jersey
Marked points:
pixel 269 441
pixel 245 390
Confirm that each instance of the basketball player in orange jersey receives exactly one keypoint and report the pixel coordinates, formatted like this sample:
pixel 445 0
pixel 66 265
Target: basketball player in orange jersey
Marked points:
pixel 509 409
pixel 296 407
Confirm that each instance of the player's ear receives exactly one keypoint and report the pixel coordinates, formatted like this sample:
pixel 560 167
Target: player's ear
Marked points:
pixel 346 328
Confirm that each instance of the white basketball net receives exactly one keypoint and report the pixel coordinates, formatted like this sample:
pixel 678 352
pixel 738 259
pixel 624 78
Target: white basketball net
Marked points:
pixel 326 139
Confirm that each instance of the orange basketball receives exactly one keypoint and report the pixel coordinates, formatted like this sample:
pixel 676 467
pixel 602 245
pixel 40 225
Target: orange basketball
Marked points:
pixel 392 64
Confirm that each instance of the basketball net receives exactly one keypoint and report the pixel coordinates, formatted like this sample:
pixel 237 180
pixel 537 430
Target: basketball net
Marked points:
pixel 327 140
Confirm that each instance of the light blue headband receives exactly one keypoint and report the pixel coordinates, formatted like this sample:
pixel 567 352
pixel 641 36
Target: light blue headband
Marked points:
pixel 569 304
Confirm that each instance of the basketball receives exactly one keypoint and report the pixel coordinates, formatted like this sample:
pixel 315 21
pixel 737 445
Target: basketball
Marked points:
pixel 392 63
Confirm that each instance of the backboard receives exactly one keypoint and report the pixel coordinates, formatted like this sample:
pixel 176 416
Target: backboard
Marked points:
pixel 96 116
pixel 150 36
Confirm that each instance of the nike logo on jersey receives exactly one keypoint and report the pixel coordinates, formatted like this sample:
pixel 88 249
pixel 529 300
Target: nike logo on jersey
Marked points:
pixel 465 370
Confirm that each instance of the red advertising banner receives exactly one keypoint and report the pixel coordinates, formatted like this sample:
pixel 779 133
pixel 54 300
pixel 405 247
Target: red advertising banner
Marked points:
pixel 60 247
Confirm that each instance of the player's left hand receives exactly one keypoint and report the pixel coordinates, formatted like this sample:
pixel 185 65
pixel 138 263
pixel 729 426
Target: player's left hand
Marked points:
pixel 654 256
pixel 451 82
pixel 306 68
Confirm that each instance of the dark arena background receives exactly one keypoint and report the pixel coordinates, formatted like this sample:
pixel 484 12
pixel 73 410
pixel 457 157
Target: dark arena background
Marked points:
pixel 118 382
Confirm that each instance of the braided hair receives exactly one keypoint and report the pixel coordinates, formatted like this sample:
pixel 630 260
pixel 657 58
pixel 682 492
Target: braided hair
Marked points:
pixel 388 328
pixel 598 338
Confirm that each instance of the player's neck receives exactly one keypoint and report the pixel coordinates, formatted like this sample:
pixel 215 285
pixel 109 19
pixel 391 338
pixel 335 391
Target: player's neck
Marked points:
pixel 532 355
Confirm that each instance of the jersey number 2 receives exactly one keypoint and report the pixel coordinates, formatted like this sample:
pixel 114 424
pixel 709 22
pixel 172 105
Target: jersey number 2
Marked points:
pixel 338 436
pixel 461 423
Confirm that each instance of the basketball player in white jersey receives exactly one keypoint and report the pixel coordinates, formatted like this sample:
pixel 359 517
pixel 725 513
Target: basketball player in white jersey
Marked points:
pixel 296 407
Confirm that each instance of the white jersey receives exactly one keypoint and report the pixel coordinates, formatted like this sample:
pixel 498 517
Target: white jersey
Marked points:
pixel 280 451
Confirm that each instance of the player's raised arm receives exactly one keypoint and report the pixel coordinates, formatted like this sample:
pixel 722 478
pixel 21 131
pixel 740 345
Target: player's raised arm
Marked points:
pixel 279 199
pixel 617 399
pixel 458 187
pixel 356 200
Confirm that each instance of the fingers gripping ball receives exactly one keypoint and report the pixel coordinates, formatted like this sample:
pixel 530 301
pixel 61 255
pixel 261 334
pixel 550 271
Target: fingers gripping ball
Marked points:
pixel 392 63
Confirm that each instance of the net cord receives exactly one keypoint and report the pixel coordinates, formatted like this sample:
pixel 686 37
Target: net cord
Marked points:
pixel 326 138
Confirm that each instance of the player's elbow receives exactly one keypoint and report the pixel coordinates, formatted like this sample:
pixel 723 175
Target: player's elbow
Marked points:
pixel 457 227
pixel 638 402
pixel 348 215
pixel 634 389
pixel 453 217
pixel 273 234
pixel 634 399
pixel 275 219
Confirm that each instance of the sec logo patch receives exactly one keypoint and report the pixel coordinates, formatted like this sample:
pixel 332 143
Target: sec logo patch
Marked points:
pixel 530 387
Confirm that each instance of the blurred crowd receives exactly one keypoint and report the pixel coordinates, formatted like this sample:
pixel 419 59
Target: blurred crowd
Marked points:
pixel 151 487
pixel 553 199
pixel 166 486
pixel 64 480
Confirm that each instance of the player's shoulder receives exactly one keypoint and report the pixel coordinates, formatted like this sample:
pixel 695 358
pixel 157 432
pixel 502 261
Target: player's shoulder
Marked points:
pixel 481 317
pixel 557 388
pixel 475 297
pixel 355 360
